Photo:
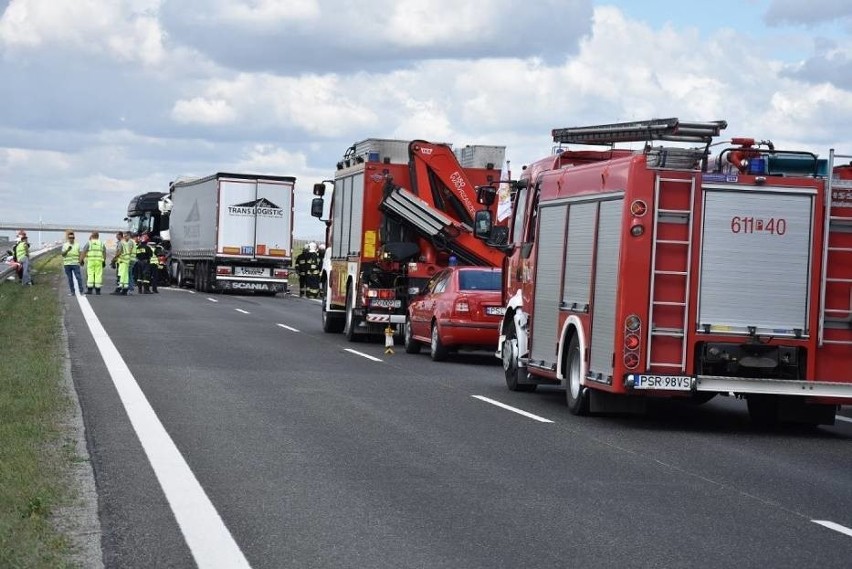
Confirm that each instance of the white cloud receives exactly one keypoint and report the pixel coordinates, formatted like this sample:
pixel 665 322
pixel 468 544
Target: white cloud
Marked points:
pixel 204 111
pixel 268 12
pixel 127 30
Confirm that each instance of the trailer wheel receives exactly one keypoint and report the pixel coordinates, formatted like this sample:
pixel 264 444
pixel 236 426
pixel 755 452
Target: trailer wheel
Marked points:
pixel 438 351
pixel 575 393
pixel 510 361
pixel 412 346
pixel 180 279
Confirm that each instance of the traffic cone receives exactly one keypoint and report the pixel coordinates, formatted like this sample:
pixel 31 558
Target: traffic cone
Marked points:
pixel 389 340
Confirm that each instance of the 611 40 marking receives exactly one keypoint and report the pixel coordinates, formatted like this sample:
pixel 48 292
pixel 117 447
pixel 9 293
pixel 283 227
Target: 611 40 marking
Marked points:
pixel 773 225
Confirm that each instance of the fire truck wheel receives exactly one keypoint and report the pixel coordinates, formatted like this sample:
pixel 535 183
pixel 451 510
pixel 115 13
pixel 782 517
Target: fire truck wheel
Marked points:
pixel 330 324
pixel 349 326
pixel 438 349
pixel 763 410
pixel 510 361
pixel 412 346
pixel 575 396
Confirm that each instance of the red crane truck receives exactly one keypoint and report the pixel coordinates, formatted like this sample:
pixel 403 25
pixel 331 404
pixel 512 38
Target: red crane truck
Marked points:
pixel 400 211
pixel 663 272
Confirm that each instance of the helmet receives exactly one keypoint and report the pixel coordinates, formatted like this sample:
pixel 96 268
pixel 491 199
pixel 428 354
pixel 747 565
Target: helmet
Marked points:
pixel 312 247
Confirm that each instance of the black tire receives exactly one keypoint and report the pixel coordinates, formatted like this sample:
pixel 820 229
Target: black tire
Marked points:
pixel 510 361
pixel 575 393
pixel 437 351
pixel 349 322
pixel 331 324
pixel 763 410
pixel 412 346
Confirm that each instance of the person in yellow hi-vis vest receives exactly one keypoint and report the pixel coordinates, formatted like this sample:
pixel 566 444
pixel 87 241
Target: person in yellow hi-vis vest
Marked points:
pixel 123 251
pixel 71 262
pixel 94 255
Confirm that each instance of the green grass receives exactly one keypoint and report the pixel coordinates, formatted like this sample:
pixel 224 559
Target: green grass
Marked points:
pixel 35 456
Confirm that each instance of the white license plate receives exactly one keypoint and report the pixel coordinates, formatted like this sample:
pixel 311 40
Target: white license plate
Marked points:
pixel 384 303
pixel 495 310
pixel 251 271
pixel 662 382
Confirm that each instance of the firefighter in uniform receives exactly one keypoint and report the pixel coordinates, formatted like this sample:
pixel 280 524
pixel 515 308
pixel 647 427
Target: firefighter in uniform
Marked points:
pixel 302 271
pixel 94 255
pixel 154 266
pixel 313 271
pixel 143 266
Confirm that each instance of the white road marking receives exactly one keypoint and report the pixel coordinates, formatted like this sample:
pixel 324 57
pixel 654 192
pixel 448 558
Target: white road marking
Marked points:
pixel 210 542
pixel 287 327
pixel 512 409
pixel 243 311
pixel 363 355
pixel 191 292
pixel 836 527
pixel 842 418
pixel 319 300
pixel 212 299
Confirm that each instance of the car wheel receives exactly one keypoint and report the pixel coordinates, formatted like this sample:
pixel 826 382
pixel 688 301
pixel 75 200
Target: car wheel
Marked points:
pixel 510 360
pixel 438 350
pixel 412 346
pixel 575 393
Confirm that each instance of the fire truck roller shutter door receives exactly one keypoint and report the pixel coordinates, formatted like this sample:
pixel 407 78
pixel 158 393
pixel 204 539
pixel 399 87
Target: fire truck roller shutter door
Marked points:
pixel 551 237
pixel 606 284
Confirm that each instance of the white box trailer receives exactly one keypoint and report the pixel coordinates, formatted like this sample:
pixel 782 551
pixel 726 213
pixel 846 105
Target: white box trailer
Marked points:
pixel 232 232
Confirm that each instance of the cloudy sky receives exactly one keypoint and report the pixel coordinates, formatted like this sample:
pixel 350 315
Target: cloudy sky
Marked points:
pixel 104 99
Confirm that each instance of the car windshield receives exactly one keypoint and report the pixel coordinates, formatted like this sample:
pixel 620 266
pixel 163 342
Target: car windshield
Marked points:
pixel 479 280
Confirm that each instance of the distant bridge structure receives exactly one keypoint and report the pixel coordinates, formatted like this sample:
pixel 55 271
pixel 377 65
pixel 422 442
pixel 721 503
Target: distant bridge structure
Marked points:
pixel 59 227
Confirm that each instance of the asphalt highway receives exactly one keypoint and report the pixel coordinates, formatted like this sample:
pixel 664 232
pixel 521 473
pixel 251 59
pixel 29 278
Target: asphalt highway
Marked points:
pixel 319 453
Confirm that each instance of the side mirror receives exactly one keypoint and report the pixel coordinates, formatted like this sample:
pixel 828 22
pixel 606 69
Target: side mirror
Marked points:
pixel 317 206
pixel 319 190
pixel 482 223
pixel 485 195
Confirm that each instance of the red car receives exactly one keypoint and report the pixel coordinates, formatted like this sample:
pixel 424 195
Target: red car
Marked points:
pixel 461 307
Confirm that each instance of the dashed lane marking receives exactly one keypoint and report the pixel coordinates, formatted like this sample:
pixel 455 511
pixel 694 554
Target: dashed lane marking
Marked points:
pixel 212 299
pixel 842 418
pixel 287 327
pixel 210 542
pixel 243 311
pixel 836 527
pixel 512 409
pixel 363 355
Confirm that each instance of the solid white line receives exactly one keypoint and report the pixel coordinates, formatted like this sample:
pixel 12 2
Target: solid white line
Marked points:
pixel 287 327
pixel 842 418
pixel 210 542
pixel 836 527
pixel 212 299
pixel 512 409
pixel 243 311
pixel 363 355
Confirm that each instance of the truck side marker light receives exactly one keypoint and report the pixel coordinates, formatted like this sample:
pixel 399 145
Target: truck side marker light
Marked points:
pixel 638 208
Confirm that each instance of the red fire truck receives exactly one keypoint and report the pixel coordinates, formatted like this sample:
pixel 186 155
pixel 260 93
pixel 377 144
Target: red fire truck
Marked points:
pixel 667 272
pixel 400 210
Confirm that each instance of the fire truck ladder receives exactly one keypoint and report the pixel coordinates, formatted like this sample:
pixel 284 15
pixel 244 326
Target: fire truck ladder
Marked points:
pixel 662 218
pixel 834 226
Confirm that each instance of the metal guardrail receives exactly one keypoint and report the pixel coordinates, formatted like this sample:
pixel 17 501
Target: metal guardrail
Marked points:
pixel 9 271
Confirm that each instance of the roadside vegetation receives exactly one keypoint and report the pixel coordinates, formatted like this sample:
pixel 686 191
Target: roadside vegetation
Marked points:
pixel 35 454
